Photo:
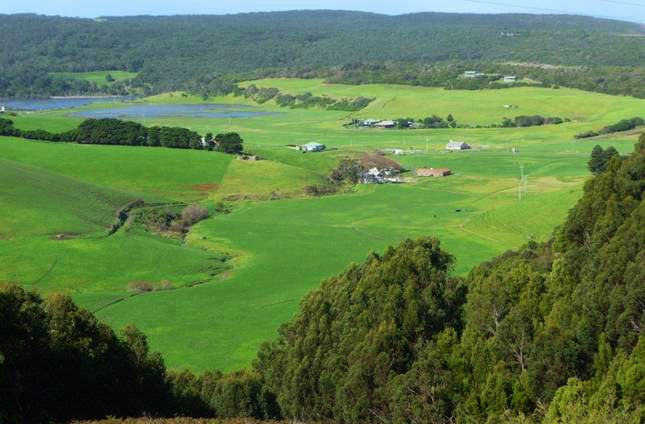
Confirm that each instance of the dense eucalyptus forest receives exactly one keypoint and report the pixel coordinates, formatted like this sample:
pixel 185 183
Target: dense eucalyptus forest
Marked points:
pixel 196 52
pixel 552 332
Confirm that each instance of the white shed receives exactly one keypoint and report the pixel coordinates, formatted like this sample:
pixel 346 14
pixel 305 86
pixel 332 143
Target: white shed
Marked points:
pixel 312 147
pixel 457 145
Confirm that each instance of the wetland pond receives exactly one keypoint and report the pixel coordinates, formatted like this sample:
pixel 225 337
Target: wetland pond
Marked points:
pixel 121 107
pixel 54 103
pixel 146 110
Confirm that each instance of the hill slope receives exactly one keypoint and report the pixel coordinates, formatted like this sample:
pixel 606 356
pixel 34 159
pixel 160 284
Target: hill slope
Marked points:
pixel 171 50
pixel 394 339
pixel 551 333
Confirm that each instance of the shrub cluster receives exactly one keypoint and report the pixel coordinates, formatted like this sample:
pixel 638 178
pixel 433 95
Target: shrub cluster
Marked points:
pixel 620 126
pixel 304 100
pixel 531 121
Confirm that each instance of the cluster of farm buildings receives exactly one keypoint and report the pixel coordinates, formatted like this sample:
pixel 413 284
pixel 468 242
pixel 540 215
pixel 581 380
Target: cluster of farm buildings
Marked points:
pixel 378 169
pixel 376 175
pixel 376 123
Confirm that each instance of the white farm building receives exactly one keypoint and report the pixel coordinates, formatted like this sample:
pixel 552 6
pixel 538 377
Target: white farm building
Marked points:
pixel 312 147
pixel 457 145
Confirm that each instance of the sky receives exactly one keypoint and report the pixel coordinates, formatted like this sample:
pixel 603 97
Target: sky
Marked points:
pixel 631 10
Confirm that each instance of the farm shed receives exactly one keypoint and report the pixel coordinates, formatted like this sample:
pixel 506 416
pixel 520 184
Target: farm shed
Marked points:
pixel 312 147
pixel 385 124
pixel 433 172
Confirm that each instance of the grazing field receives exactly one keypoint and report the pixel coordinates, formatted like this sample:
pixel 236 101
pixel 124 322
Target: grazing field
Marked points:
pixel 237 276
pixel 98 77
pixel 477 107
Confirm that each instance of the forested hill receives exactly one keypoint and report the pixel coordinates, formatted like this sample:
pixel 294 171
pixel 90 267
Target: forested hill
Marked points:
pixel 170 50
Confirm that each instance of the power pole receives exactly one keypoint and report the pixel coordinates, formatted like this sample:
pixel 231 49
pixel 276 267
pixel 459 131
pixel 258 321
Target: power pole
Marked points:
pixel 520 188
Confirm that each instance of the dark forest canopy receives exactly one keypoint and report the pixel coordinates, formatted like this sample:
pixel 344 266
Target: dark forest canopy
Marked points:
pixel 170 51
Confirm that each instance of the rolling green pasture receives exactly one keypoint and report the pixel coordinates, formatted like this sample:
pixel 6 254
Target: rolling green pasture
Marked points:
pixel 478 107
pixel 97 77
pixel 281 243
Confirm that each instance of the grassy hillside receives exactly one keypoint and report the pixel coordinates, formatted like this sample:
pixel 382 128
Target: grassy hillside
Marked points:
pixel 483 107
pixel 56 239
pixel 100 78
pixel 283 243
pixel 180 175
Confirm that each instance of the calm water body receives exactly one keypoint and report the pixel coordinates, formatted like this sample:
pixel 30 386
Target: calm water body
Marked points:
pixel 52 104
pixel 136 110
pixel 140 111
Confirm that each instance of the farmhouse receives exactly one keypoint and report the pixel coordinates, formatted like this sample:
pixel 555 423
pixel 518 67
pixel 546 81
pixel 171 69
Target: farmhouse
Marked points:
pixel 379 176
pixel 312 147
pixel 510 79
pixel 385 124
pixel 433 172
pixel 2 109
pixel 457 145
pixel 372 176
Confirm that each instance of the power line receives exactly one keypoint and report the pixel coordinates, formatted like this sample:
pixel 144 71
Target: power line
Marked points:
pixel 545 9
pixel 626 3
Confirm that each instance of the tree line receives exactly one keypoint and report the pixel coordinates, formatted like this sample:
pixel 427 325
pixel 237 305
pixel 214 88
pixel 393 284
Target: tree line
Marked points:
pixel 294 101
pixel 625 80
pixel 128 133
pixel 549 333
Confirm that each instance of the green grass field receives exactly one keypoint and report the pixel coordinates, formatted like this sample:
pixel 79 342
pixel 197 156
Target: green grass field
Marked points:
pixel 97 77
pixel 280 242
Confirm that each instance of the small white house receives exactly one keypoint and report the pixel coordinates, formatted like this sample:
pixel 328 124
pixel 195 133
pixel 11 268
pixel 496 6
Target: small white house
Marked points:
pixel 2 109
pixel 370 122
pixel 470 74
pixel 457 145
pixel 312 147
pixel 510 79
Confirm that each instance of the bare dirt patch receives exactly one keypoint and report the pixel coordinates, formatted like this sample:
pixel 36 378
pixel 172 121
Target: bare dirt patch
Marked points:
pixel 205 187
pixel 141 286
